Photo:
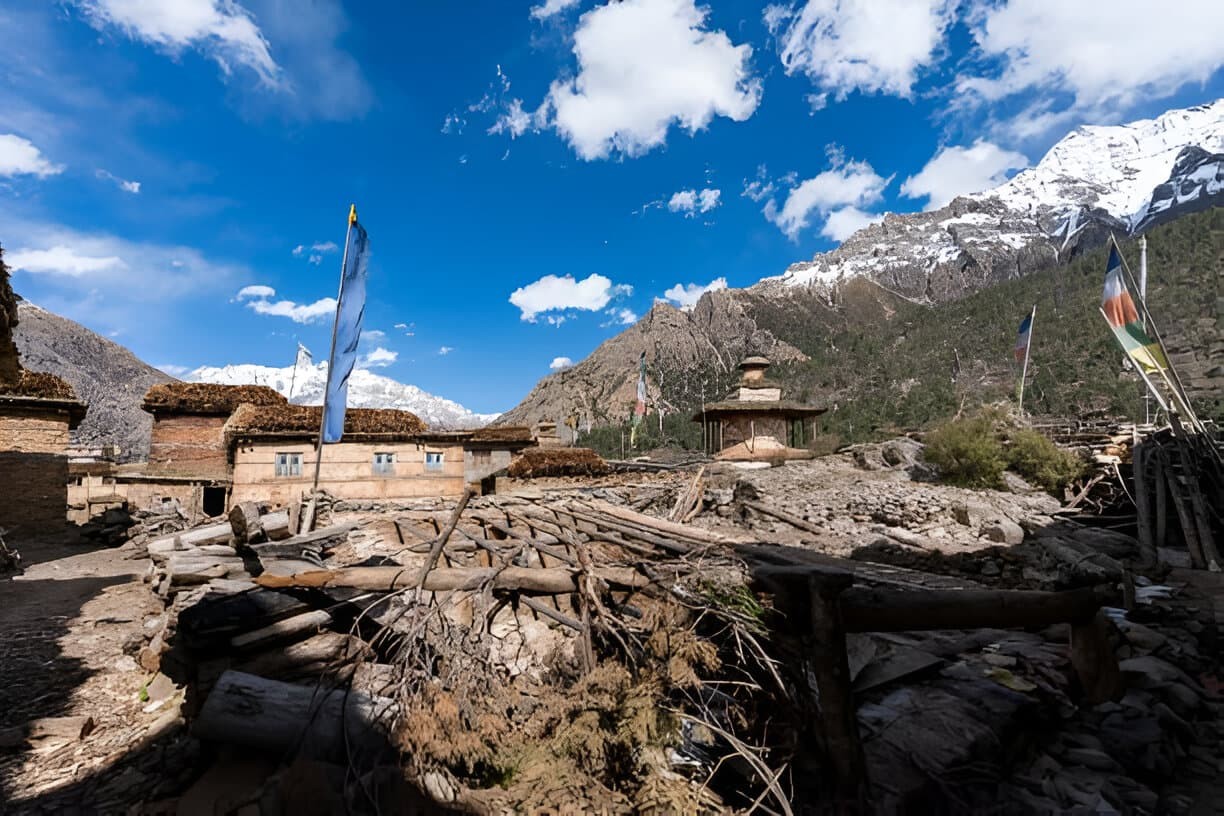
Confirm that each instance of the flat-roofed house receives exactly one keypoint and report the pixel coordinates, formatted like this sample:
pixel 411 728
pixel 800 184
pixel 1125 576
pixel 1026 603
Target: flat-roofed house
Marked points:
pixel 37 412
pixel 754 422
pixel 383 455
pixel 489 450
pixel 188 460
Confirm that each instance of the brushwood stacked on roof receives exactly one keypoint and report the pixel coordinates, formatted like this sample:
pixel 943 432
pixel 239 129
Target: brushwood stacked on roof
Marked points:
pixel 535 463
pixel 283 418
pixel 207 398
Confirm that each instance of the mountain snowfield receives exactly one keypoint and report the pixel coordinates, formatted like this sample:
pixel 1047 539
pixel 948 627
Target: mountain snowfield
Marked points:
pixel 1117 178
pixel 305 382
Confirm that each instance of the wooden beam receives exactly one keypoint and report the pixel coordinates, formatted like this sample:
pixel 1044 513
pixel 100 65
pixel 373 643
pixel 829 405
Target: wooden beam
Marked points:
pixel 866 609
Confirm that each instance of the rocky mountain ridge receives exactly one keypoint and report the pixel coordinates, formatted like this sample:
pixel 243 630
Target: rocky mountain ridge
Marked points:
pixel 1095 181
pixel 107 377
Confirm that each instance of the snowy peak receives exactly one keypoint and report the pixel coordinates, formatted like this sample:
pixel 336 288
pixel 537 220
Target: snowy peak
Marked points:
pixel 305 382
pixel 1114 168
pixel 1095 181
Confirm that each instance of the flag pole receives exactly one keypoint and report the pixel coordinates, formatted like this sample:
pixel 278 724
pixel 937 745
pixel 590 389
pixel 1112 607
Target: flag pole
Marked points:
pixel 1179 390
pixel 308 520
pixel 1028 348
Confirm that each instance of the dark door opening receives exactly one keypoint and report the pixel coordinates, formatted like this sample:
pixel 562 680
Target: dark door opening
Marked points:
pixel 214 501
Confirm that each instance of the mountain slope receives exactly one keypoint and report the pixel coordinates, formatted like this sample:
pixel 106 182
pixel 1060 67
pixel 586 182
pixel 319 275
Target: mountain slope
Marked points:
pixel 305 382
pixel 1095 181
pixel 107 377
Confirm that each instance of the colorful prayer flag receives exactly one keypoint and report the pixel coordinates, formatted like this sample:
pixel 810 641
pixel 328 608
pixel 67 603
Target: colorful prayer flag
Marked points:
pixel 1023 338
pixel 1119 310
pixel 349 314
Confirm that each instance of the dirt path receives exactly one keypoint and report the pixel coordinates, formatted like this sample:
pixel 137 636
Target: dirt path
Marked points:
pixel 70 627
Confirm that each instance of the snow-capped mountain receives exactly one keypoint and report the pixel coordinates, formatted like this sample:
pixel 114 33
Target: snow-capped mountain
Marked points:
pixel 305 382
pixel 1122 178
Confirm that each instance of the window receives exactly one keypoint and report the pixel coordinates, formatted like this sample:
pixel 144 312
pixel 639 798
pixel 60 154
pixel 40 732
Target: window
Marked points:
pixel 433 461
pixel 713 436
pixel 384 464
pixel 288 464
pixel 482 457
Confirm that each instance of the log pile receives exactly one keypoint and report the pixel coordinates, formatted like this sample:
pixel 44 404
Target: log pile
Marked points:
pixel 574 653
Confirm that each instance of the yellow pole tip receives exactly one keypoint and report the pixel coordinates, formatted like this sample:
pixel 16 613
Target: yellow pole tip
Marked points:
pixel 352 214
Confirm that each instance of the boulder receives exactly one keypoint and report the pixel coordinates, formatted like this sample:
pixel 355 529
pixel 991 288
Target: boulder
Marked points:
pixel 1004 531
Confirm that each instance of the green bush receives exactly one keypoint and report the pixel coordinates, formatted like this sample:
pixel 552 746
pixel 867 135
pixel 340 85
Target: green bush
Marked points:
pixel 967 453
pixel 1042 462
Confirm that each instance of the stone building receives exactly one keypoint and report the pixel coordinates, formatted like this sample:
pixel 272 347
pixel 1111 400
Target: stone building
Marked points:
pixel 754 422
pixel 188 460
pixel 37 412
pixel 489 450
pixel 384 455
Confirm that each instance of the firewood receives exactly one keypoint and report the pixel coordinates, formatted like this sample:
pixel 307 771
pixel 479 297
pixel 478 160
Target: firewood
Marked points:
pixel 323 648
pixel 216 618
pixel 278 718
pixel 436 550
pixel 523 579
pixel 282 630
pixel 276 525
pixel 244 521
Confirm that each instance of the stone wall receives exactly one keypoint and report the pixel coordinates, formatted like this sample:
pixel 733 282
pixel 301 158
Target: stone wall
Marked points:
pixel 347 471
pixel 34 494
pixel 185 445
pixel 33 432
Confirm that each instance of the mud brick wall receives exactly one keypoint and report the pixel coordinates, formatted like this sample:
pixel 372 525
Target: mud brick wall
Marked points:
pixel 188 446
pixel 33 433
pixel 33 494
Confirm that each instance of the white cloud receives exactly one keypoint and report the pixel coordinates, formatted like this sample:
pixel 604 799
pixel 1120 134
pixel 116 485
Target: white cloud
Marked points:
pixel 99 278
pixel 816 102
pixel 299 250
pixel 621 317
pixel 552 294
pixel 258 299
pixel 378 358
pixel 446 350
pixel 177 371
pixel 123 184
pixel 256 290
pixel 325 246
pixel 315 252
pixel 644 65
pixel 315 259
pixel 860 45
pixel 847 184
pixel 516 121
pixel 221 29
pixel 373 336
pixel 20 157
pixel 61 260
pixel 692 202
pixel 957 171
pixel 560 363
pixel 842 223
pixel 1131 53
pixel 550 7
pixel 760 188
pixel 686 295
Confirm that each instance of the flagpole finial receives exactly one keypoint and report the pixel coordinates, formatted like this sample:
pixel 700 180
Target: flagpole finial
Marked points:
pixel 352 214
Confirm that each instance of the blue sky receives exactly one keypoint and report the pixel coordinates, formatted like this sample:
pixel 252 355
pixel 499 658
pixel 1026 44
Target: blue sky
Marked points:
pixel 532 176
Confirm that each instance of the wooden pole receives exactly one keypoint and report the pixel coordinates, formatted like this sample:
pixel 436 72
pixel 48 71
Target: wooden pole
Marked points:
pixel 308 520
pixel 436 549
pixel 1027 349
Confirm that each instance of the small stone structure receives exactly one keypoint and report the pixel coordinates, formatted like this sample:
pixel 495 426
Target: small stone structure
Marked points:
pixel 489 450
pixel 36 414
pixel 754 423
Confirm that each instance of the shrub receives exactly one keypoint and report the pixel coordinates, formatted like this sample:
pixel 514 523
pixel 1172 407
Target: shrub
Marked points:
pixel 967 453
pixel 1042 462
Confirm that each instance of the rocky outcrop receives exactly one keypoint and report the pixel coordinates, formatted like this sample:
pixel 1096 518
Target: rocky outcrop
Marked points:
pixel 9 366
pixel 686 352
pixel 105 375
pixel 1195 183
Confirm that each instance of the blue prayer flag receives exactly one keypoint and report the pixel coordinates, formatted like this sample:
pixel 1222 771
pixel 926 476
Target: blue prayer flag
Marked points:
pixel 349 316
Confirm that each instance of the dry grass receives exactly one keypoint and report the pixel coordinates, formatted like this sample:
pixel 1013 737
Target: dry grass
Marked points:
pixel 285 418
pixel 39 385
pixel 504 433
pixel 536 463
pixel 208 398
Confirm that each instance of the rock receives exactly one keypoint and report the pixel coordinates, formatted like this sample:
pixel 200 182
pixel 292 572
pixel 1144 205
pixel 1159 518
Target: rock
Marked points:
pixel 125 663
pixel 991 568
pixel 1004 531
pixel 1016 484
